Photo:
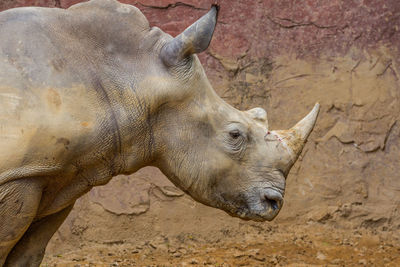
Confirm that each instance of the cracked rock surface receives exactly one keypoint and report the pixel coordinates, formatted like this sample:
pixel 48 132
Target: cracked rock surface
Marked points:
pixel 284 56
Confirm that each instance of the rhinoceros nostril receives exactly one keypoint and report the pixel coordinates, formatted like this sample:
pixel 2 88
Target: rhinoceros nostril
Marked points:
pixel 272 203
pixel 273 199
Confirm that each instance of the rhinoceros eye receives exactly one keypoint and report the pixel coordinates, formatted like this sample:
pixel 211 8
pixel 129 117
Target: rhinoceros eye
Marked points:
pixel 234 138
pixel 235 134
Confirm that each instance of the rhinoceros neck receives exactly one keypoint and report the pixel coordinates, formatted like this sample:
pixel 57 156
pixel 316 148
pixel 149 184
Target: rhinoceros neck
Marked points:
pixel 125 122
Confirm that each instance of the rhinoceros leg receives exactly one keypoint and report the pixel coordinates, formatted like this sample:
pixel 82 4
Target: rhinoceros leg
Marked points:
pixel 29 250
pixel 19 201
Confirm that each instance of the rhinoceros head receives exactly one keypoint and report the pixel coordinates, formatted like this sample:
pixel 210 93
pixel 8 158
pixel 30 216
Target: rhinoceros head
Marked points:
pixel 222 157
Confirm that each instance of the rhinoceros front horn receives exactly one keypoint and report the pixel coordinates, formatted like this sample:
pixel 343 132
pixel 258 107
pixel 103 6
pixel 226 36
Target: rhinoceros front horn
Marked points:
pixel 304 127
pixel 296 137
pixel 194 39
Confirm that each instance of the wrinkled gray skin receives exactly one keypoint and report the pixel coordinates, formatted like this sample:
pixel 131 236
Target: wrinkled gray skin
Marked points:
pixel 92 92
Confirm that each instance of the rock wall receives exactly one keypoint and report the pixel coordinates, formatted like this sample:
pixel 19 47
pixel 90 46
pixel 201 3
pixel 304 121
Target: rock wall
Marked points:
pixel 284 56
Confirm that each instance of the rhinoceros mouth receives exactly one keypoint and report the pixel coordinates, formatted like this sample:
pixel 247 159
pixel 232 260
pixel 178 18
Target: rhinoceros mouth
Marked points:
pixel 258 216
pixel 261 206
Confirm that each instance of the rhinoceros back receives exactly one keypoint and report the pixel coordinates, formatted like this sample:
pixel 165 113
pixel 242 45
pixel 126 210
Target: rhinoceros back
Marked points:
pixel 53 67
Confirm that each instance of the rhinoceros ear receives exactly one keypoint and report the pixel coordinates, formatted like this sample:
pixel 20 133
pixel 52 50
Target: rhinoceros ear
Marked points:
pixel 194 39
pixel 258 114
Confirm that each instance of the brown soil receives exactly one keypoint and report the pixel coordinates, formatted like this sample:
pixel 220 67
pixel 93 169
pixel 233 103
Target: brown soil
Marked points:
pixel 285 245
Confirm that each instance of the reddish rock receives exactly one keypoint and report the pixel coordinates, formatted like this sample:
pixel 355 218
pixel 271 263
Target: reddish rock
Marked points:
pixel 267 28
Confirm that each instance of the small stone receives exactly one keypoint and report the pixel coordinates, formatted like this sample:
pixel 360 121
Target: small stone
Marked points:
pixel 177 254
pixel 363 262
pixel 253 252
pixel 259 258
pixel 321 256
pixel 239 254
pixel 273 261
pixel 194 261
pixel 210 261
pixel 182 250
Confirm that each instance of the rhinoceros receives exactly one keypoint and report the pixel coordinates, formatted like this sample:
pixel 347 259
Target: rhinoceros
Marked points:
pixel 93 91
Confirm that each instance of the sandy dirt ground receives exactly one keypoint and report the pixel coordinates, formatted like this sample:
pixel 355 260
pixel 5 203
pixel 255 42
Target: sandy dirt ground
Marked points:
pixel 287 245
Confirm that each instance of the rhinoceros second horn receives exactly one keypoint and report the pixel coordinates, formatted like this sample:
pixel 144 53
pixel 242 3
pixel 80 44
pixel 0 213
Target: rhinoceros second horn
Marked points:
pixel 195 39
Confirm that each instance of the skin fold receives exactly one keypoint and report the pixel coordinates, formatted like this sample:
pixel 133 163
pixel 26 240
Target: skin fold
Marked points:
pixel 92 92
